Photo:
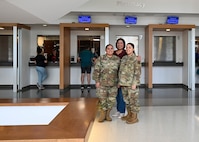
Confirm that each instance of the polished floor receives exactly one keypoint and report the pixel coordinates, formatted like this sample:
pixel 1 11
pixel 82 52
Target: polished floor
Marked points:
pixel 166 115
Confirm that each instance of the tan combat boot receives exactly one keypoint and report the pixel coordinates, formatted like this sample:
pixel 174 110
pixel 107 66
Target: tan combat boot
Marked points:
pixel 132 119
pixel 102 116
pixel 108 118
pixel 124 118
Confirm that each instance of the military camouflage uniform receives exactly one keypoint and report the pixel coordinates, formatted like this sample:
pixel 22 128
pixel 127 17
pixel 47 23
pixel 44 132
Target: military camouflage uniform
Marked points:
pixel 129 74
pixel 106 73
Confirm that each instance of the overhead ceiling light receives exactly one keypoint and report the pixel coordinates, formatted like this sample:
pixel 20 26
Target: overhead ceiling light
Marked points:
pixel 1 28
pixel 168 30
pixel 44 25
pixel 86 29
pixel 96 39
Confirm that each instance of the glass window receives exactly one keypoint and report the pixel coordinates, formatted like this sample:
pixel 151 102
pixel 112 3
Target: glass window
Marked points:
pixel 50 43
pixel 164 48
pixel 92 42
pixel 6 48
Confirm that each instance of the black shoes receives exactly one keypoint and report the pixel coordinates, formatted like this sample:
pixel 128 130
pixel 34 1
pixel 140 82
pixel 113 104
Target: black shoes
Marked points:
pixel 83 87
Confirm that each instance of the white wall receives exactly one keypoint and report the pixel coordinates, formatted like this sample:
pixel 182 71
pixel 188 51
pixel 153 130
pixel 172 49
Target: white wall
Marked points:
pixel 6 75
pixel 185 58
pixel 24 57
pixel 167 75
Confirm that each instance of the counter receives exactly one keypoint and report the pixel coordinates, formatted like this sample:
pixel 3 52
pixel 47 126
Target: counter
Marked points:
pixel 53 74
pixel 48 64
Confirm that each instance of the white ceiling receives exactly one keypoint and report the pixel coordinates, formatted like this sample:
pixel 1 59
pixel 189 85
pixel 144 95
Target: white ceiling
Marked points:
pixel 57 11
pixel 35 11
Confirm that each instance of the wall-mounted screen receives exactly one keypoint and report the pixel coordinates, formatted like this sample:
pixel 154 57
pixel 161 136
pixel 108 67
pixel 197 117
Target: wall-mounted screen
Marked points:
pixel 172 20
pixel 84 19
pixel 130 20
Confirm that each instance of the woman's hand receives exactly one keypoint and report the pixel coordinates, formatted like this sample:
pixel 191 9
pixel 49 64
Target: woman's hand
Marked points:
pixel 133 87
pixel 139 58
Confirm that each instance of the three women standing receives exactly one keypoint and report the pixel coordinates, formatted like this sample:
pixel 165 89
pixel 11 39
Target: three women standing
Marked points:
pixel 109 74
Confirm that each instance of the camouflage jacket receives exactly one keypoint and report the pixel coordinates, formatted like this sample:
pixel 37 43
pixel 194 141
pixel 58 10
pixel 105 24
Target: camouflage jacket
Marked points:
pixel 106 70
pixel 130 71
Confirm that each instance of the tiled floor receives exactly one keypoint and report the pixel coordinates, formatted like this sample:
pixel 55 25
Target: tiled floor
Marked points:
pixel 166 115
pixel 156 124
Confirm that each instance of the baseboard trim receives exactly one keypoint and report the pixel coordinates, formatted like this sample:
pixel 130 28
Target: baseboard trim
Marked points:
pixel 77 86
pixel 6 87
pixel 168 85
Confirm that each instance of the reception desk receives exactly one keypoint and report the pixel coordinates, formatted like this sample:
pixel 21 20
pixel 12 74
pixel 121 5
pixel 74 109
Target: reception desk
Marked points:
pixel 53 74
pixel 75 74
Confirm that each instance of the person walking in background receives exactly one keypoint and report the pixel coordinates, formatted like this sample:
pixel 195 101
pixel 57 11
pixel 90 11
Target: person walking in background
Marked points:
pixel 129 80
pixel 86 58
pixel 41 63
pixel 120 52
pixel 105 75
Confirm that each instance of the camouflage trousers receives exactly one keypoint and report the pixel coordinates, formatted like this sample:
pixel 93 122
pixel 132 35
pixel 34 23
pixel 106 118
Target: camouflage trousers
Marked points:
pixel 131 98
pixel 107 97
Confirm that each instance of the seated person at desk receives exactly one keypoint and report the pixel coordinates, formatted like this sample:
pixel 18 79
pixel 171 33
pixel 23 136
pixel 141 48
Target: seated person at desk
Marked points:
pixel 86 58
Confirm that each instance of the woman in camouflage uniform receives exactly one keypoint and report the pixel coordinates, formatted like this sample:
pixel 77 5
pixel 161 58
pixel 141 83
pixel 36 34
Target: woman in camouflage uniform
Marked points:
pixel 105 75
pixel 129 80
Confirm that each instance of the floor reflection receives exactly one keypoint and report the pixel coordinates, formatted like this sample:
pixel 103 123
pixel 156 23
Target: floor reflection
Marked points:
pixel 153 97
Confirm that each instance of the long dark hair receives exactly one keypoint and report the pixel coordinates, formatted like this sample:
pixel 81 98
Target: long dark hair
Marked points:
pixel 39 49
pixel 122 41
pixel 132 46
